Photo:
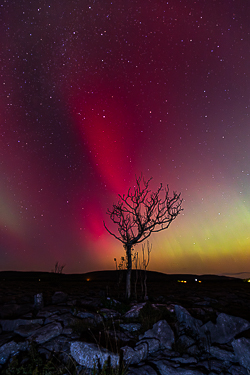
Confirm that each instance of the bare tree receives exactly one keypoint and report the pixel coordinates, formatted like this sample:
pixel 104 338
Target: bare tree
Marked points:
pixel 140 213
pixel 136 261
pixel 145 263
pixel 58 268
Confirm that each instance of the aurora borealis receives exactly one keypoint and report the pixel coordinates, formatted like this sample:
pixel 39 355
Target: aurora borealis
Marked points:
pixel 95 92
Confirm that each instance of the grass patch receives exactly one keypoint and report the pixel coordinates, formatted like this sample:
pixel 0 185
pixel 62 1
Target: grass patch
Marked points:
pixel 105 334
pixel 33 363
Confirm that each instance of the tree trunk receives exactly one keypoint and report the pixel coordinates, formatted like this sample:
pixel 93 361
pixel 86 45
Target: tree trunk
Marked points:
pixel 128 280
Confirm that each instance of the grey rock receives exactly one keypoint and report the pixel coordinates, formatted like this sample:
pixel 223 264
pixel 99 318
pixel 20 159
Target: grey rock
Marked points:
pixel 67 331
pixel 185 360
pixel 11 325
pixel 134 311
pixel 223 355
pixel 165 367
pixel 148 344
pixel 59 297
pixel 84 314
pixel 158 306
pixel 113 302
pixel 87 354
pixel 27 330
pixel 134 356
pixel 214 365
pixel 6 337
pixel 153 344
pixel 131 327
pixel 165 353
pixel 142 370
pixel 48 311
pixel 238 370
pixel 119 335
pixel 194 350
pixel 58 344
pixel 90 317
pixel 38 301
pixel 161 331
pixel 242 351
pixel 202 303
pixel 184 342
pixel 130 357
pixel 51 318
pixel 186 322
pixel 66 319
pixel 46 333
pixel 109 314
pixel 226 328
pixel 10 349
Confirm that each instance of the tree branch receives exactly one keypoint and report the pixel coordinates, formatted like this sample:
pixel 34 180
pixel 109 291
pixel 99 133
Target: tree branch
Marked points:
pixel 141 212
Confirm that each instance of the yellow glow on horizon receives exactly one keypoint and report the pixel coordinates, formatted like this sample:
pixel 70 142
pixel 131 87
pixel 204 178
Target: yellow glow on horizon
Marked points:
pixel 210 238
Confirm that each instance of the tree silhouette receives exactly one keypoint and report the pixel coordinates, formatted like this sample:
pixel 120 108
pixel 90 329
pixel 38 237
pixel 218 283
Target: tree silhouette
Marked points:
pixel 140 213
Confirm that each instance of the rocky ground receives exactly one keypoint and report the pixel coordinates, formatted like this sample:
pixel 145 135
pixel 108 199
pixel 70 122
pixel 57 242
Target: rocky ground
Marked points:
pixel 187 328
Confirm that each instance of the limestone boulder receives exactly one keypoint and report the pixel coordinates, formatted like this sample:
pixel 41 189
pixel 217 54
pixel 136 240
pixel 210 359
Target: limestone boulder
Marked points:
pixel 10 325
pixel 130 327
pixel 90 317
pixel 142 370
pixel 242 351
pixel 238 370
pixel 159 337
pixel 134 311
pixel 186 322
pixel 225 329
pixel 27 330
pixel 167 367
pixel 47 311
pixel 46 333
pixel 109 314
pixel 38 301
pixel 223 355
pixel 10 349
pixel 184 343
pixel 88 354
pixel 162 332
pixel 59 297
pixel 133 356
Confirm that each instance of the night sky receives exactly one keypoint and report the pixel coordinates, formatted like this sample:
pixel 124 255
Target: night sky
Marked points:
pixel 93 93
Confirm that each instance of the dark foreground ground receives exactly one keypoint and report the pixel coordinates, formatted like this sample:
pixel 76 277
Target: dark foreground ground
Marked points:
pixel 229 295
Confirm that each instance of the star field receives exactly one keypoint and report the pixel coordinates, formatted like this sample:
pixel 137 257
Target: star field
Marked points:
pixel 95 92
